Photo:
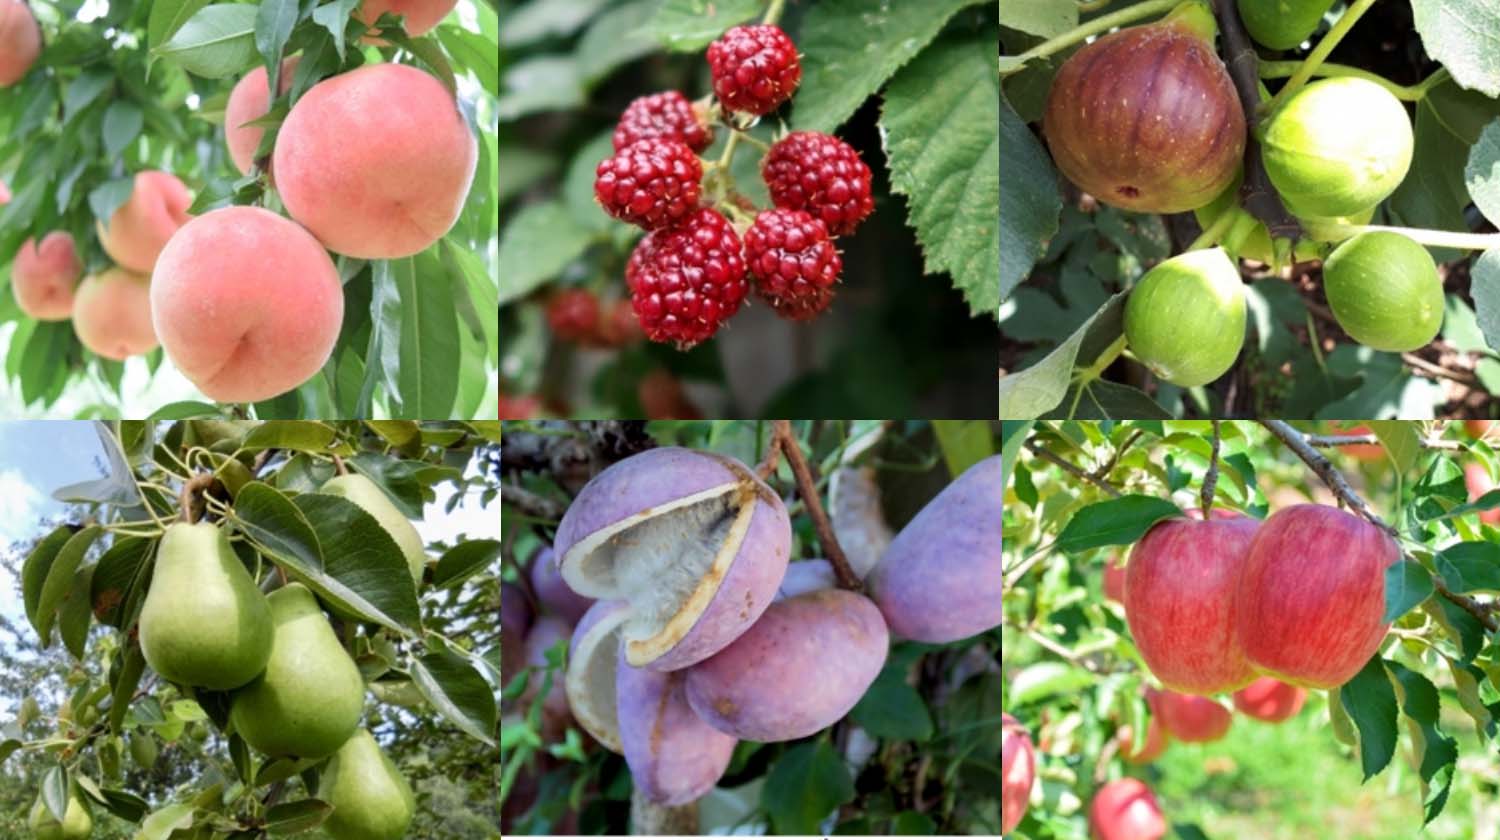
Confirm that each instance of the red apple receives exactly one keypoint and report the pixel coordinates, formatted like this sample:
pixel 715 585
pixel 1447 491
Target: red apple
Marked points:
pixel 1270 700
pixel 1017 772
pixel 1312 595
pixel 1126 810
pixel 1156 743
pixel 1478 428
pixel 1478 480
pixel 1179 602
pixel 1114 580
pixel 1361 451
pixel 1192 719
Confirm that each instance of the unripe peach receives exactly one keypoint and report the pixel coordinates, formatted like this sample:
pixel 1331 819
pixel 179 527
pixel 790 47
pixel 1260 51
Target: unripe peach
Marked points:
pixel 674 756
pixel 376 162
pixel 421 15
pixel 248 304
pixel 43 276
pixel 249 101
pixel 694 540
pixel 140 227
pixel 20 41
pixel 939 581
pixel 799 669
pixel 112 314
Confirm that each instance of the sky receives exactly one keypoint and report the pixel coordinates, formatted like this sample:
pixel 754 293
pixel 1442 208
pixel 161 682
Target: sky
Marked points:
pixel 37 457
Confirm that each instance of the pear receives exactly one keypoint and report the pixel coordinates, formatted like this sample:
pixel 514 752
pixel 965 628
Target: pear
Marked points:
pixel 204 623
pixel 311 695
pixel 371 799
pixel 75 824
pixel 368 495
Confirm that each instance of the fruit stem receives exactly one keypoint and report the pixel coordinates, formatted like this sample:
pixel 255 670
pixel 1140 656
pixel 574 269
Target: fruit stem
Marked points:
pixel 1195 17
pixel 1083 31
pixel 1435 238
pixel 1310 65
pixel 1216 231
pixel 773 12
pixel 1407 93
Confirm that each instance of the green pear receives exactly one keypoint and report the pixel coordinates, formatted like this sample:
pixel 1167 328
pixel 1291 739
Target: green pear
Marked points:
pixel 311 695
pixel 204 622
pixel 371 799
pixel 368 495
pixel 75 824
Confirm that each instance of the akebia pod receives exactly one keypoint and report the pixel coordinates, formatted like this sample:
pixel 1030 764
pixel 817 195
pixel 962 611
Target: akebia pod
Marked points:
pixel 592 665
pixel 1147 118
pixel 674 757
pixel 939 580
pixel 800 669
pixel 694 541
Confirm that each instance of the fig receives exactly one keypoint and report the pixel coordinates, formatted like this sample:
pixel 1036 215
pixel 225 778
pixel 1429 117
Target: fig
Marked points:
pixel 592 664
pixel 1384 290
pixel 694 541
pixel 1282 24
pixel 1147 118
pixel 1337 147
pixel 673 755
pixel 1185 319
pixel 939 579
pixel 800 669
pixel 553 591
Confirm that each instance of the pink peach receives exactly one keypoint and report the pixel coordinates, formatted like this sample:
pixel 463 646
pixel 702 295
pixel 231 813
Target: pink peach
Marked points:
pixel 43 276
pixel 20 41
pixel 112 314
pixel 249 101
pixel 140 227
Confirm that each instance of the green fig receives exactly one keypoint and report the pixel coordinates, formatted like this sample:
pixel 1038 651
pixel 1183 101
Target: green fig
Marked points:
pixel 311 695
pixel 1282 24
pixel 204 623
pixel 1185 319
pixel 368 495
pixel 371 799
pixel 1385 291
pixel 75 824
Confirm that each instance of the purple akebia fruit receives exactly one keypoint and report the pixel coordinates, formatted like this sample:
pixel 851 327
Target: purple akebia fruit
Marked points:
pixel 800 669
pixel 940 579
pixel 806 576
pixel 674 757
pixel 694 541
pixel 553 592
pixel 515 623
pixel 593 656
pixel 544 635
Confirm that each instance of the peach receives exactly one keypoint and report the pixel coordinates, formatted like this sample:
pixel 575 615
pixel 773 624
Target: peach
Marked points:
pixel 249 101
pixel 375 162
pixel 43 276
pixel 421 15
pixel 247 303
pixel 140 227
pixel 112 314
pixel 20 41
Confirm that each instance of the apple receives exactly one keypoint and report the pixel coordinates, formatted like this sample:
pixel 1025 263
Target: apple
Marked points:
pixel 1017 772
pixel 1126 810
pixel 1179 602
pixel 1478 428
pixel 1156 736
pixel 1190 718
pixel 1114 580
pixel 1360 451
pixel 1270 700
pixel 1478 480
pixel 1312 595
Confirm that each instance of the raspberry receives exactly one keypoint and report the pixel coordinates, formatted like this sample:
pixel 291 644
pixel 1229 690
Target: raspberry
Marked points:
pixel 573 315
pixel 812 171
pixel 652 183
pixel 755 68
pixel 619 326
pixel 685 281
pixel 667 115
pixel 794 262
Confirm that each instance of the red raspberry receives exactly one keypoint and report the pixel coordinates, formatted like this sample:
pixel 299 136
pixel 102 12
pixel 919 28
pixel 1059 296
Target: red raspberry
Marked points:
pixel 619 326
pixel 573 315
pixel 685 281
pixel 669 115
pixel 652 183
pixel 755 68
pixel 812 171
pixel 794 262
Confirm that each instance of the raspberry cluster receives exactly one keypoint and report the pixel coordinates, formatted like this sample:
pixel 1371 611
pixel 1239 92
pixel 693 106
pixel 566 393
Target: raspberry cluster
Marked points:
pixel 691 272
